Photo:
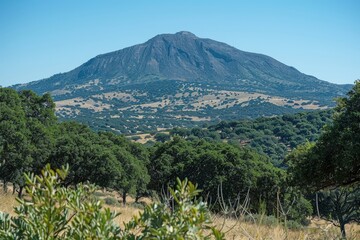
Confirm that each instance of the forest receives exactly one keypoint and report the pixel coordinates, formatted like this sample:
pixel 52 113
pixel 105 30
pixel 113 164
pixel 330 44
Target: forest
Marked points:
pixel 308 162
pixel 272 136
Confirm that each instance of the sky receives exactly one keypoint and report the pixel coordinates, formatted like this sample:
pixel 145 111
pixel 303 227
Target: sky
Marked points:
pixel 41 38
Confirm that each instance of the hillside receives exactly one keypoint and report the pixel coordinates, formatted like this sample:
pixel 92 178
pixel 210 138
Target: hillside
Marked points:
pixel 274 137
pixel 181 80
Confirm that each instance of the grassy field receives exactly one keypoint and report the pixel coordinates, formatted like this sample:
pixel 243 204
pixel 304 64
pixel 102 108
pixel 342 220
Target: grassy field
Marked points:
pixel 233 229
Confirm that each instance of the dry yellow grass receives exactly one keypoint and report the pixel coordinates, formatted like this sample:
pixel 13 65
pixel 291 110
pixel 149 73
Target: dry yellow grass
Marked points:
pixel 233 229
pixel 7 201
pixel 82 103
pixel 236 229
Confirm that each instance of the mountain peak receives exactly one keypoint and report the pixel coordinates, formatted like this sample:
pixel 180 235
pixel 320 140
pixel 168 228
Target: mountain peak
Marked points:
pixel 183 56
pixel 186 33
pixel 172 36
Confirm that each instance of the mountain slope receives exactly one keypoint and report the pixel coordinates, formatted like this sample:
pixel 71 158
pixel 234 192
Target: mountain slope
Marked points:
pixel 183 77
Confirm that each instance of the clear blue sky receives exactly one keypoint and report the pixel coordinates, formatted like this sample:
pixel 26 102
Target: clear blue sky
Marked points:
pixel 42 38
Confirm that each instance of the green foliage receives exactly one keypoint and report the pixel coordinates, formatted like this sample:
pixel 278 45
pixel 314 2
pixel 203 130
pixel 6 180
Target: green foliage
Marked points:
pixel 295 207
pixel 56 212
pixel 211 164
pixel 52 211
pixel 187 218
pixel 26 139
pixel 334 160
pixel 273 136
pixel 111 201
pixel 135 138
pixel 88 156
pixel 299 157
pixel 133 159
pixel 162 137
pixel 30 137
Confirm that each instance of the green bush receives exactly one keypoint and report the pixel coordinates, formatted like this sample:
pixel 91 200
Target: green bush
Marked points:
pixel 138 205
pixel 52 211
pixel 187 218
pixel 56 212
pixel 111 201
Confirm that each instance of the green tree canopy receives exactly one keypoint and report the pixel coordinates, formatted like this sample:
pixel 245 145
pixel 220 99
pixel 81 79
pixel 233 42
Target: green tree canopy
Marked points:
pixel 335 158
pixel 26 140
pixel 211 164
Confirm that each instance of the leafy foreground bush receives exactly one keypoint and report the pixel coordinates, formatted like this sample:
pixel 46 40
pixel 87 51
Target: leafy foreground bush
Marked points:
pixel 185 219
pixel 56 212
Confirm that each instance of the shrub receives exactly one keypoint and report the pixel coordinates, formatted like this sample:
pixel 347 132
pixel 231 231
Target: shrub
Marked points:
pixel 135 138
pixel 138 205
pixel 187 218
pixel 56 212
pixel 111 201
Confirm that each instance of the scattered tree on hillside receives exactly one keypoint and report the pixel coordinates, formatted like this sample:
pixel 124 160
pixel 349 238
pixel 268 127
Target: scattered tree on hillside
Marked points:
pixel 162 137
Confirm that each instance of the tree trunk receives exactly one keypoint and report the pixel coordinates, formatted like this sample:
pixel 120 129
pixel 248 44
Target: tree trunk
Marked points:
pixel 20 191
pixel 342 228
pixel 124 197
pixel 137 197
pixel 5 187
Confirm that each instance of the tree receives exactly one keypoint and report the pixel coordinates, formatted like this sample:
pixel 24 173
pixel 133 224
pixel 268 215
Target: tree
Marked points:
pixel 162 137
pixel 211 164
pixel 15 146
pixel 89 157
pixel 133 159
pixel 341 206
pixel 26 137
pixel 41 108
pixel 300 157
pixel 334 160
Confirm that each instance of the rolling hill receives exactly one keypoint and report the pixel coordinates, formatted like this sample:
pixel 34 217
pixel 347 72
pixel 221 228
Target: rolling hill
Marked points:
pixel 181 80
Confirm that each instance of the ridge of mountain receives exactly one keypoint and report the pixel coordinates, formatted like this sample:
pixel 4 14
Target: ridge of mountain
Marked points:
pixel 180 78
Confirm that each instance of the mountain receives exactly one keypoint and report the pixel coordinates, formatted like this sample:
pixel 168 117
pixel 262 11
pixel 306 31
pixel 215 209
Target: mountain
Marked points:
pixel 180 79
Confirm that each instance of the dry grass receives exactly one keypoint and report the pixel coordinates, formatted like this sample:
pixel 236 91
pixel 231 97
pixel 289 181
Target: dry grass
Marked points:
pixel 7 201
pixel 317 230
pixel 126 214
pixel 234 229
pixel 82 103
